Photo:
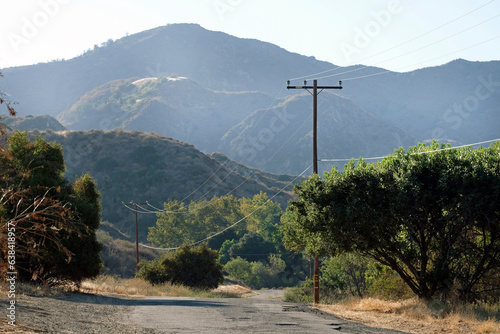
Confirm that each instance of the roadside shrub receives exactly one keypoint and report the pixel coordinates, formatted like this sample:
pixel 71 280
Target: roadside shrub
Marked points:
pixel 300 294
pixel 152 271
pixel 238 268
pixel 257 274
pixel 195 267
pixel 385 283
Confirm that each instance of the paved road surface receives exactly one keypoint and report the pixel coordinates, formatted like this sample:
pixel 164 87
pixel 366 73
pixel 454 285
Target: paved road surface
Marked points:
pixel 258 314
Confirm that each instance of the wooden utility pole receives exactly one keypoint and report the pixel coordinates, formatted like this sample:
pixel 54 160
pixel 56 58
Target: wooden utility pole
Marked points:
pixel 136 234
pixel 315 93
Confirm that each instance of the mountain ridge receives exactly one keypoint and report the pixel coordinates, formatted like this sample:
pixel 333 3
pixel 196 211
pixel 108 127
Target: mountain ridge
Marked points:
pixel 135 166
pixel 457 101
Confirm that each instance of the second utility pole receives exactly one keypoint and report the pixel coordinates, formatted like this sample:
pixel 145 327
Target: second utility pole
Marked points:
pixel 315 93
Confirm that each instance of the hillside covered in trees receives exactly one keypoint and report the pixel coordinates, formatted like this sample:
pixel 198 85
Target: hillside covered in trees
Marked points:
pixel 139 167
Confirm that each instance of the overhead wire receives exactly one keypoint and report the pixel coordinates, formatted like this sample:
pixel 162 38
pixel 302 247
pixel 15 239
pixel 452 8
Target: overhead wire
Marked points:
pixel 222 165
pixel 410 52
pixel 310 76
pixel 235 223
pixel 424 152
pixel 157 210
pixel 291 182
pixel 421 62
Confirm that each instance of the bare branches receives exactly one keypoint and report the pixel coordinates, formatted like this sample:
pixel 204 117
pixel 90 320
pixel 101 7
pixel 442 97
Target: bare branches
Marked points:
pixel 12 112
pixel 38 222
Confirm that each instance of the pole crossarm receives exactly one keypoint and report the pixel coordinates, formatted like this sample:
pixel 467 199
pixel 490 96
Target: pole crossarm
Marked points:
pixel 311 87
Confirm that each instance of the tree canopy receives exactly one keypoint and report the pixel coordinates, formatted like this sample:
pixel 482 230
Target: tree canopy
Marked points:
pixel 432 214
pixel 52 221
pixel 180 224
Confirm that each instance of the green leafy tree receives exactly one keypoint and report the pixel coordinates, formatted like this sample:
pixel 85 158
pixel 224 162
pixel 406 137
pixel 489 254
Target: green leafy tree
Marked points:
pixel 224 256
pixel 345 272
pixel 54 222
pixel 252 247
pixel 263 217
pixel 152 271
pixel 185 225
pixel 430 214
pixel 238 268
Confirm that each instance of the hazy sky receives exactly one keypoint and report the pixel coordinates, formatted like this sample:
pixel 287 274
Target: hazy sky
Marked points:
pixel 399 35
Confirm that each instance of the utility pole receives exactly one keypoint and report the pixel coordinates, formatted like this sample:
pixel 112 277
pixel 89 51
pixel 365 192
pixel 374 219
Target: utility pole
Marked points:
pixel 315 93
pixel 136 234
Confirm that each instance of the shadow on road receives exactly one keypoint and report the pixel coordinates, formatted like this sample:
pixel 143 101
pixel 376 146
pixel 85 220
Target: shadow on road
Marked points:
pixel 136 301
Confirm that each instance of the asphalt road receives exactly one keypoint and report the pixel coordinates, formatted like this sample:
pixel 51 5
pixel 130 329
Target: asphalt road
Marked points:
pixel 258 314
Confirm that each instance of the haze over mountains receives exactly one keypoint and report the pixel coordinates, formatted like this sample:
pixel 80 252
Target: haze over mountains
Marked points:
pixel 227 94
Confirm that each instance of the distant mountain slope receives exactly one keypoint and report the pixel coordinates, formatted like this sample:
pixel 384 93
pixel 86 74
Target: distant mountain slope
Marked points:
pixel 134 166
pixel 214 59
pixel 174 107
pixel 457 101
pixel 28 123
pixel 280 139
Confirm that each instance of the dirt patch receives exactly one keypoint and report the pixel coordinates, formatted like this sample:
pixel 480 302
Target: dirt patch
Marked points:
pixel 71 313
pixel 235 289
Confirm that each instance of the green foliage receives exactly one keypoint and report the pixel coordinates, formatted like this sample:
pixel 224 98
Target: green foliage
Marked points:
pixel 263 217
pixel 238 268
pixel 383 282
pixel 303 213
pixel 224 256
pixel 55 222
pixel 153 272
pixel 252 247
pixel 430 214
pixel 258 274
pixel 302 293
pixel 181 224
pixel 254 242
pixel 134 166
pixel 36 163
pixel 345 274
pixel 195 267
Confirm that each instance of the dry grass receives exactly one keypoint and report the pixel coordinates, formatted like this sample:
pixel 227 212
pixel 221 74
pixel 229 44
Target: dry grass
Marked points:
pixel 140 287
pixel 131 287
pixel 415 316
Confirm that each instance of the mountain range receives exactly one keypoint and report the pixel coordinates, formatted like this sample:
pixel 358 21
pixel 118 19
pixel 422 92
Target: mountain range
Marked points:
pixel 223 94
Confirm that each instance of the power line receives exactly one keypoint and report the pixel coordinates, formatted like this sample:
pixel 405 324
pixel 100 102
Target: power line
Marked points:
pixel 422 62
pixel 291 182
pixel 237 222
pixel 158 210
pixel 310 76
pixel 410 52
pixel 223 164
pixel 425 152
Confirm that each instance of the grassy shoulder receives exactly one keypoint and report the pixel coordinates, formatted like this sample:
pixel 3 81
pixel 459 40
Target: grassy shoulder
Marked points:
pixel 412 315
pixel 140 287
pixel 136 287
